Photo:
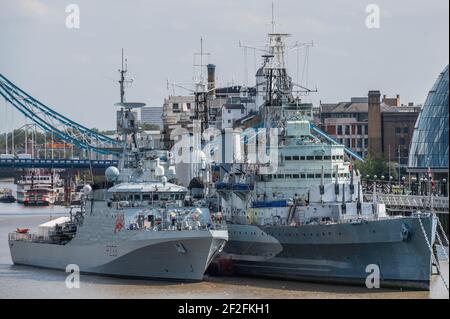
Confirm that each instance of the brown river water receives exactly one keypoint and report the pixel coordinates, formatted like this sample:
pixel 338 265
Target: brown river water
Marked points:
pixel 30 282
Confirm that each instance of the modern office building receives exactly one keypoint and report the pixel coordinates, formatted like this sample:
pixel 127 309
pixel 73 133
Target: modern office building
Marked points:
pixel 429 146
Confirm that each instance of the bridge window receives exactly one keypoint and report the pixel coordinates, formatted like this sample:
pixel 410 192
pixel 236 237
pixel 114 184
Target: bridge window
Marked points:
pixel 296 158
pixel 310 175
pixel 164 196
pixel 145 196
pixel 155 196
pixel 297 176
pixel 318 158
pixel 310 158
pixel 288 158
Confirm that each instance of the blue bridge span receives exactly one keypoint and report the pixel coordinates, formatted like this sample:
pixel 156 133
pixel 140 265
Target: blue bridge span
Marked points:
pixel 56 163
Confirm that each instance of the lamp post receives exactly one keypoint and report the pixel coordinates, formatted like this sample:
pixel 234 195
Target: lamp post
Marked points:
pixel 422 186
pixel 375 184
pixel 403 184
pixel 413 185
pixel 444 187
pixel 383 184
pixel 390 183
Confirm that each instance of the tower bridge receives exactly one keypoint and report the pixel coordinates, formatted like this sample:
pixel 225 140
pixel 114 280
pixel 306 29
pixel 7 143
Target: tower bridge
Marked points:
pixel 56 124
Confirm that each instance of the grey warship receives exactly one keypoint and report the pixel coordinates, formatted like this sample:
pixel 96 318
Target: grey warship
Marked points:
pixel 307 219
pixel 138 226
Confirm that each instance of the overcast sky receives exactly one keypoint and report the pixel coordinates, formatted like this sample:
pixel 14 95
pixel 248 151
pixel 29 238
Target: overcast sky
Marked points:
pixel 75 70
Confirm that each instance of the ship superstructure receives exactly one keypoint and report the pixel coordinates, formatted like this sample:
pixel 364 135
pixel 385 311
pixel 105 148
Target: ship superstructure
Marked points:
pixel 139 225
pixel 306 218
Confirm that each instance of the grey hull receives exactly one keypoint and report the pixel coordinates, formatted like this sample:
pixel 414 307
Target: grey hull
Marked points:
pixel 337 252
pixel 179 256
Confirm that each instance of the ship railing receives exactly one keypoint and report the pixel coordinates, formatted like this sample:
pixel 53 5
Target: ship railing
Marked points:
pixel 31 237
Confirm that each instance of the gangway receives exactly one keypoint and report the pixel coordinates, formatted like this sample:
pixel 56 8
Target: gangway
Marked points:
pixel 411 202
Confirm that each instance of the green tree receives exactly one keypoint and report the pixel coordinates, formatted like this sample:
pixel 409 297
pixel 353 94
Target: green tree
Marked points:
pixel 376 166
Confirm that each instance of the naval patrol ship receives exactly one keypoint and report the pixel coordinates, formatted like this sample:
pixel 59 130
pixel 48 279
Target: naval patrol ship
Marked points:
pixel 139 226
pixel 306 218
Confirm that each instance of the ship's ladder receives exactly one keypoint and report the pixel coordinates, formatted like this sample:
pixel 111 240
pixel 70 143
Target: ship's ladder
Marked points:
pixel 435 260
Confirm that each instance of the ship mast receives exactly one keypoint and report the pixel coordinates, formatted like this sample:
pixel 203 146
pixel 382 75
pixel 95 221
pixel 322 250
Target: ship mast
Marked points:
pixel 127 121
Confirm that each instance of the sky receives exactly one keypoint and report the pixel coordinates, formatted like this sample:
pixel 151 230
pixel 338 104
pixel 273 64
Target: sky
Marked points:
pixel 75 70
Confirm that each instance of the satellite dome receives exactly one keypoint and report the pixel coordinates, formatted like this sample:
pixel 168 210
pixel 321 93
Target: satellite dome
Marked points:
pixel 87 189
pixel 112 174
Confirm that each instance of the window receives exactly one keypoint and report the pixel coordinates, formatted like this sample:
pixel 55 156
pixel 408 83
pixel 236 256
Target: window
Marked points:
pixel 229 111
pixel 297 176
pixel 280 176
pixel 295 158
pixel 288 158
pixel 188 106
pixel 229 121
pixel 327 158
pixel 327 175
pixel 310 175
pixel 302 158
pixel 318 175
pixel 398 130
pixel 366 142
pixel 175 106
pixel 347 130
pixel 310 158
pixel 359 129
pixel 302 176
pixel 339 130
pixel 360 142
pixel 146 197
pixel 406 130
pixel 402 141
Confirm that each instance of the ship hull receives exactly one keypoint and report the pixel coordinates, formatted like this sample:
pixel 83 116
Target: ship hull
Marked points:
pixel 149 257
pixel 340 253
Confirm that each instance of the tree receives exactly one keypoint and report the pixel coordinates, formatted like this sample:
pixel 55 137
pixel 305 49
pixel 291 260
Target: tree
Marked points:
pixel 376 166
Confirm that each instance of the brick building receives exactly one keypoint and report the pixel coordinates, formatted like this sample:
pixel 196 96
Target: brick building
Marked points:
pixel 371 124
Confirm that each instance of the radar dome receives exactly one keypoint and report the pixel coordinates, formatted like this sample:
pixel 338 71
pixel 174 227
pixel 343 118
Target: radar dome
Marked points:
pixel 87 189
pixel 112 174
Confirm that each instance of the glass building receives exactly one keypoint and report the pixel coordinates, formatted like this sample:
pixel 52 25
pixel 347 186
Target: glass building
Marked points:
pixel 429 145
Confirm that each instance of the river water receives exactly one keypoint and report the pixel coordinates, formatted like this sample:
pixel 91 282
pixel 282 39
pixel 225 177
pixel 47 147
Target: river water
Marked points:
pixel 30 282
